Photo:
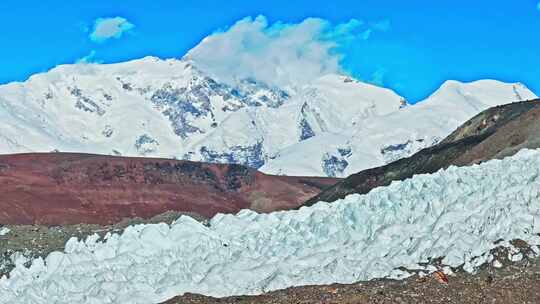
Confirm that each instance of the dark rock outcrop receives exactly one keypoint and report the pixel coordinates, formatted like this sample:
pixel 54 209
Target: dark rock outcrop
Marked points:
pixel 493 134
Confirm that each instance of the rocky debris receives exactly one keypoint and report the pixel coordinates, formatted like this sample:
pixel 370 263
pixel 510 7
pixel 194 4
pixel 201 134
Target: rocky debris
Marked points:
pixel 391 153
pixel 441 277
pixel 85 103
pixel 493 134
pixel 333 165
pixel 107 131
pixel 306 130
pixel 252 155
pixel 65 188
pixel 183 104
pixel 146 144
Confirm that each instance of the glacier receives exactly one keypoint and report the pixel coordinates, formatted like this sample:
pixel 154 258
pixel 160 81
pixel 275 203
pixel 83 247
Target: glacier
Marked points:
pixel 458 214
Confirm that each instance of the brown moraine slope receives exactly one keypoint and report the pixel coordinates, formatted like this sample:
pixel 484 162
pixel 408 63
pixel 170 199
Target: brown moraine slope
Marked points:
pixel 67 188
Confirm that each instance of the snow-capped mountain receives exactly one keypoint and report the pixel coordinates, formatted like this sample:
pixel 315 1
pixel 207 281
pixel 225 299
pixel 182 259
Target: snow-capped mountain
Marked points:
pixel 377 140
pixel 333 126
pixel 143 107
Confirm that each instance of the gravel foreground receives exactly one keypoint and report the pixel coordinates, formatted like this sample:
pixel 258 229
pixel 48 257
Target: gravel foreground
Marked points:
pixel 517 283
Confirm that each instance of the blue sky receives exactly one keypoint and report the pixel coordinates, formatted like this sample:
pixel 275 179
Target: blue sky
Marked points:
pixel 409 46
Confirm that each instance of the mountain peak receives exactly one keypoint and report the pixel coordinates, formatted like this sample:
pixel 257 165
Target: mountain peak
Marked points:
pixel 487 92
pixel 173 108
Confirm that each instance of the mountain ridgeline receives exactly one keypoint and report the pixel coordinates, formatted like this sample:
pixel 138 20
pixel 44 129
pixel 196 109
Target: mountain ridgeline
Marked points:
pixel 332 126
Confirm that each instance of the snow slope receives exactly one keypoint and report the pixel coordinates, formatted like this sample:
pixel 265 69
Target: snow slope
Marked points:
pixel 170 108
pixel 378 140
pixel 333 126
pixel 143 107
pixel 457 214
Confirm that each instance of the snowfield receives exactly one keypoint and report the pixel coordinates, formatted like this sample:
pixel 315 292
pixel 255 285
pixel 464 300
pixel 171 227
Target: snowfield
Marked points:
pixel 456 213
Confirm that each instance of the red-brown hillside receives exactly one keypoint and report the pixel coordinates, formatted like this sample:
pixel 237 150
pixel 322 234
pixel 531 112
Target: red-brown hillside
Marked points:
pixel 65 188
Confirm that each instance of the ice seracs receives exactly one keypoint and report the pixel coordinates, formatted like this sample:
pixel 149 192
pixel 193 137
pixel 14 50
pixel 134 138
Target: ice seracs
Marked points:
pixel 458 214
pixel 4 231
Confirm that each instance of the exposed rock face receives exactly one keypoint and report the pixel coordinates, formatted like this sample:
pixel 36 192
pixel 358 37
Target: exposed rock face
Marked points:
pixel 334 165
pixel 62 188
pixel 252 156
pixel 493 134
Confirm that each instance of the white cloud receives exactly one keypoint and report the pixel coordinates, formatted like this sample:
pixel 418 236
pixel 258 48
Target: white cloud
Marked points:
pixel 278 54
pixel 90 58
pixel 107 28
pixel 366 34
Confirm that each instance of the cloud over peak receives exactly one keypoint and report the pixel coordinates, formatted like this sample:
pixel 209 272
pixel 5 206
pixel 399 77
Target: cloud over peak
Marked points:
pixel 107 28
pixel 282 54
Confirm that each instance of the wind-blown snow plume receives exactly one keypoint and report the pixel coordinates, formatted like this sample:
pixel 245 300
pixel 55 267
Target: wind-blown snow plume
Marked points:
pixel 458 214
pixel 279 54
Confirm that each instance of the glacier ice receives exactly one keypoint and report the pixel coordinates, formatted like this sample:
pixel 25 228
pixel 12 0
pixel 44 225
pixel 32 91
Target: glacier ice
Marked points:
pixel 457 213
pixel 4 231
